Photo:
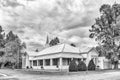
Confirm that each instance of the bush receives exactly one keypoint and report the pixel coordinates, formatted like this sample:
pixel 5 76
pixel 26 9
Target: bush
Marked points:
pixel 82 66
pixel 91 65
pixel 27 67
pixel 73 66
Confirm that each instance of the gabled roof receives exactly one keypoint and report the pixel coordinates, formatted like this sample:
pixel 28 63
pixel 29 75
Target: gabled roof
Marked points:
pixel 85 49
pixel 94 50
pixel 62 48
pixel 56 49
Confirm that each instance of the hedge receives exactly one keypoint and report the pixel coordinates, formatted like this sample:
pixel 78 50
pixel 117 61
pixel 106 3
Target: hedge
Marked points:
pixel 73 66
pixel 82 66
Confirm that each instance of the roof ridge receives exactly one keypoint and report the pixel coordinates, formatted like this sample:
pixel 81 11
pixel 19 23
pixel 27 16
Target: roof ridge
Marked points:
pixel 63 48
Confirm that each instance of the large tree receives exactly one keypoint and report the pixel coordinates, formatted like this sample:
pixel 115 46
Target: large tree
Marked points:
pixel 10 48
pixel 13 47
pixel 2 45
pixel 2 37
pixel 54 41
pixel 105 30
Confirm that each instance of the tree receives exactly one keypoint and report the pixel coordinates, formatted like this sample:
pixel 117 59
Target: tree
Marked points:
pixel 82 66
pixel 91 65
pixel 36 50
pixel 13 48
pixel 10 48
pixel 54 41
pixel 12 52
pixel 100 50
pixel 10 36
pixel 2 36
pixel 24 45
pixel 2 43
pixel 73 66
pixel 73 45
pixel 106 29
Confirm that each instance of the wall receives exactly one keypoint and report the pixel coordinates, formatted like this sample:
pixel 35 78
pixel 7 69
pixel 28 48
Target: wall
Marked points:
pixel 25 61
pixel 101 62
pixel 91 54
pixel 57 55
pixel 104 63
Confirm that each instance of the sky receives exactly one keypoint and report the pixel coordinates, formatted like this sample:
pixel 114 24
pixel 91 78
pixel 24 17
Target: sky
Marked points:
pixel 33 20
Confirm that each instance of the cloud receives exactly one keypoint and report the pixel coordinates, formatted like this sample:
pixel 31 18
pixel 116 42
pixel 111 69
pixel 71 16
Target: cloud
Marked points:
pixel 70 20
pixel 35 45
pixel 10 3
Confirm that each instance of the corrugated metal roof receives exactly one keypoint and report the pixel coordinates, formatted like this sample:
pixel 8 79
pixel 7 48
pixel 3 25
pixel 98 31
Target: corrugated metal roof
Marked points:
pixel 55 49
pixel 60 48
pixel 85 49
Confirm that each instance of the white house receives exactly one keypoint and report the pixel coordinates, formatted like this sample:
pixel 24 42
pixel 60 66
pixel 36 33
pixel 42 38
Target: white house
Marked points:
pixel 58 57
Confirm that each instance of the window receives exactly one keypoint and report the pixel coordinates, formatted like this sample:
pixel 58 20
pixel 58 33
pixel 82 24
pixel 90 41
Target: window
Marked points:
pixel 84 59
pixel 79 60
pixel 47 62
pixel 40 62
pixel 34 62
pixel 66 61
pixel 55 61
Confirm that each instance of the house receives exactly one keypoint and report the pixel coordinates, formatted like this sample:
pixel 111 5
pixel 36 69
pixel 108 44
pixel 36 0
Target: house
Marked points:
pixel 58 57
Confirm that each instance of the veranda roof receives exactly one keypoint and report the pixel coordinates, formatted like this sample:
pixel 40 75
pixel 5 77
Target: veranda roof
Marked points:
pixel 56 49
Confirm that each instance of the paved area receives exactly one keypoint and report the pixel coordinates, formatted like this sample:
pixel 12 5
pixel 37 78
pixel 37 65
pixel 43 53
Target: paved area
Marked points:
pixel 38 75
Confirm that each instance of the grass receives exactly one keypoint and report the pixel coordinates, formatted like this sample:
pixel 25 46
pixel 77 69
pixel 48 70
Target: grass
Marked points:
pixel 20 74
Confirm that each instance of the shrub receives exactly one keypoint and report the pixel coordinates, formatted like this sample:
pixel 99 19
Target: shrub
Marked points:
pixel 91 65
pixel 73 66
pixel 27 67
pixel 82 66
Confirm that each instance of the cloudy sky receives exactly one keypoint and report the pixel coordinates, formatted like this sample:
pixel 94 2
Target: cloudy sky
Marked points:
pixel 32 20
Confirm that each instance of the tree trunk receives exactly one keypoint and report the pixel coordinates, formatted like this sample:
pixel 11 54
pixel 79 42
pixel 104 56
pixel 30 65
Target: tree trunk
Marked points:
pixel 13 66
pixel 2 65
pixel 116 65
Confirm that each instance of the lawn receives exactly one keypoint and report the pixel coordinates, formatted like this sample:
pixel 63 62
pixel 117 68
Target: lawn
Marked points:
pixel 50 75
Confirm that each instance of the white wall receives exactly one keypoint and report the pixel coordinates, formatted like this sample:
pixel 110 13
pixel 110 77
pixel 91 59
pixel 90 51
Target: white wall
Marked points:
pixel 23 62
pixel 101 62
pixel 90 55
pixel 104 63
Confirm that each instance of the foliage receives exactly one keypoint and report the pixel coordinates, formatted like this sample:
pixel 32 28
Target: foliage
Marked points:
pixel 82 66
pixel 24 45
pixel 13 47
pixel 10 48
pixel 106 29
pixel 73 45
pixel 2 36
pixel 91 65
pixel 36 50
pixel 10 36
pixel 54 41
pixel 73 66
pixel 100 51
